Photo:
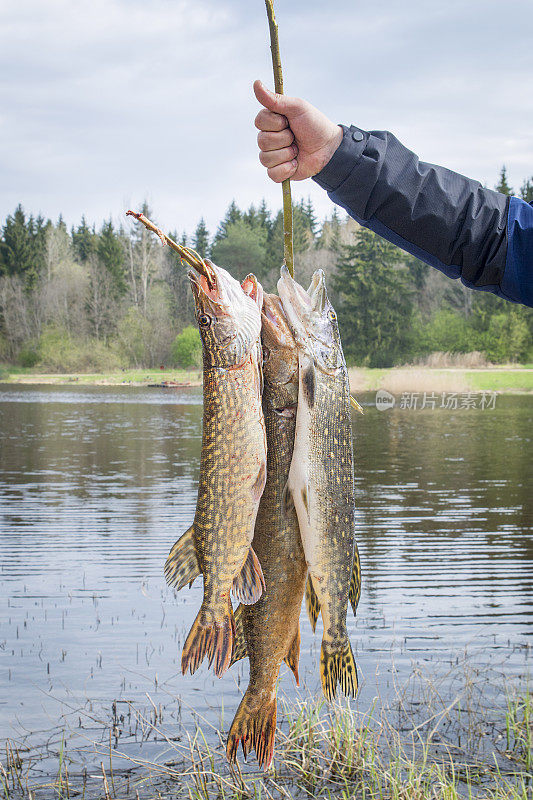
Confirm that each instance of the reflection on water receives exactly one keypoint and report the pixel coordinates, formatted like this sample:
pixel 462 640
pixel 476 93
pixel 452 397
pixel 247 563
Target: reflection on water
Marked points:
pixel 97 483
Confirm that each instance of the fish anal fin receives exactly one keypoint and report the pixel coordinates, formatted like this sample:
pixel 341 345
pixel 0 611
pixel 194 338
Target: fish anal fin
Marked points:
pixel 249 584
pixel 213 639
pixel 254 727
pixel 240 649
pixel 312 603
pixel 181 566
pixel 293 655
pixel 355 581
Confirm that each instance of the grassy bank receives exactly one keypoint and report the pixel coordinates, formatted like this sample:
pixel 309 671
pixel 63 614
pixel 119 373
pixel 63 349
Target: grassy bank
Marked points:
pixel 451 379
pixel 136 377
pixel 425 744
pixel 395 380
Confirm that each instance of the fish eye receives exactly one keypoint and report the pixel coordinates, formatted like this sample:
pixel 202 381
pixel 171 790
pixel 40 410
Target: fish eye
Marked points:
pixel 204 320
pixel 331 315
pixel 266 354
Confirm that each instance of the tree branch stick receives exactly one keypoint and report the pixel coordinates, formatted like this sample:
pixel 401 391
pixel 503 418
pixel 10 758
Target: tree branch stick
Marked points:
pixel 288 250
pixel 185 253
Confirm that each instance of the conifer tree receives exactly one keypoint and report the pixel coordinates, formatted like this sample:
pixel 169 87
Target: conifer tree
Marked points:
pixel 526 191
pixel 502 186
pixel 201 239
pixel 375 300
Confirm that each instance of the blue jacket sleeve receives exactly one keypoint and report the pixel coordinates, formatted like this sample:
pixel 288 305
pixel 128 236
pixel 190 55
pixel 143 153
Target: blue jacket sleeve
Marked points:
pixel 451 222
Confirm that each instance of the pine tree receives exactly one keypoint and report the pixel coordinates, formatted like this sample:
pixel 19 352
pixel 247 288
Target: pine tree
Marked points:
pixel 526 192
pixel 18 250
pixel 502 186
pixel 375 300
pixel 200 240
pixel 233 214
pixel 84 241
pixel 264 216
pixel 111 256
pixel 309 212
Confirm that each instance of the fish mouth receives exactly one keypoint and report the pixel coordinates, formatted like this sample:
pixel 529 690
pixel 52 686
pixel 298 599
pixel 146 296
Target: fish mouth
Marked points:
pixel 253 289
pixel 275 330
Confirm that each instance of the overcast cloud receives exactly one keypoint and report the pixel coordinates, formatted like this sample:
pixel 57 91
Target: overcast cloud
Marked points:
pixel 105 103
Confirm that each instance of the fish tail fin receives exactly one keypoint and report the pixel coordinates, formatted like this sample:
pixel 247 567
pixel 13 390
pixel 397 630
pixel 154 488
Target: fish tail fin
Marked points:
pixel 182 565
pixel 255 728
pixel 248 585
pixel 355 581
pixel 337 665
pixel 293 656
pixel 240 649
pixel 212 638
pixel 312 603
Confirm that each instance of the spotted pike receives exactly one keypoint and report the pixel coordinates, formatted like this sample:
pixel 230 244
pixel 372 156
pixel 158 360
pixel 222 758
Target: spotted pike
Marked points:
pixel 232 468
pixel 269 631
pixel 321 479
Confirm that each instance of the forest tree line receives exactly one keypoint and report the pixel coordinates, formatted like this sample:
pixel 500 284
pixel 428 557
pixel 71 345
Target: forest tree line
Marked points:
pixel 98 299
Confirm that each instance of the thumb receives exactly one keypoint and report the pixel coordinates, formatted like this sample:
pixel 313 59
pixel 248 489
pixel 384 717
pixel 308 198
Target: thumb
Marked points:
pixel 279 103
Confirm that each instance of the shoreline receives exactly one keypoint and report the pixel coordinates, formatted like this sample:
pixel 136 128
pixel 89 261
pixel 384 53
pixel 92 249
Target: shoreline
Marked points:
pixel 502 379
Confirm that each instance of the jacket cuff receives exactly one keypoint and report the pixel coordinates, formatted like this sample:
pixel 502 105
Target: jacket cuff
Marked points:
pixel 343 159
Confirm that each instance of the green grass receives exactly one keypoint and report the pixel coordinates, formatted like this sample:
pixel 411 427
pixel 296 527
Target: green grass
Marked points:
pixel 421 747
pixel 501 380
pixel 489 379
pixel 10 374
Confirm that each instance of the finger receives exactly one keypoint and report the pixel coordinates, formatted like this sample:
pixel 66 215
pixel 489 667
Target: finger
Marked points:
pixel 279 103
pixel 283 171
pixel 275 157
pixel 269 140
pixel 269 121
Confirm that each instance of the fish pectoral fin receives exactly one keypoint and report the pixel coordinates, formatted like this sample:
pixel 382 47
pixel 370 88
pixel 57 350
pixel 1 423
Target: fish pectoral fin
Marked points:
pixel 312 603
pixel 293 656
pixel 355 581
pixel 287 501
pixel 248 585
pixel 240 649
pixel 182 565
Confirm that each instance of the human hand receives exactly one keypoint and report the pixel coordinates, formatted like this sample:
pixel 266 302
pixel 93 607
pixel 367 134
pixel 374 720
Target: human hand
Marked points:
pixel 295 139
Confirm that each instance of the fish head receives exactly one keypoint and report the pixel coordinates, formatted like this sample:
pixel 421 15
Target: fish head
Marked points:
pixel 228 316
pixel 280 357
pixel 312 319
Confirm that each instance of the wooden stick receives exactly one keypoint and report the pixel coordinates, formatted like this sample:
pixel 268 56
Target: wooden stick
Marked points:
pixel 186 253
pixel 288 250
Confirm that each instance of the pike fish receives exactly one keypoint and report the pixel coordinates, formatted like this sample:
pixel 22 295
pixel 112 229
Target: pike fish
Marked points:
pixel 321 478
pixel 269 631
pixel 232 468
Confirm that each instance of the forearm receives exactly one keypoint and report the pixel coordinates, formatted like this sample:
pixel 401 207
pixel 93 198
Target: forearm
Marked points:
pixel 449 221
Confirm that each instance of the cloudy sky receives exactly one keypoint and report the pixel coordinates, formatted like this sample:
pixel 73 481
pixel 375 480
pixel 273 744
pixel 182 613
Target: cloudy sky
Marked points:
pixel 107 102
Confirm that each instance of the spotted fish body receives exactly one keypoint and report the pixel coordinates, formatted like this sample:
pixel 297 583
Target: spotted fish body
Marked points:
pixel 232 469
pixel 321 479
pixel 269 630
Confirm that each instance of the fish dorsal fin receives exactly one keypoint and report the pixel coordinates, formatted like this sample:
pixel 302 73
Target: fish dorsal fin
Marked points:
pixel 355 581
pixel 312 603
pixel 240 649
pixel 293 655
pixel 182 565
pixel 248 585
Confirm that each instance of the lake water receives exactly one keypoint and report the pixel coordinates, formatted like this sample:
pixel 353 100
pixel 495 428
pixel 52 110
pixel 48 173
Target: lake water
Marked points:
pixel 97 483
